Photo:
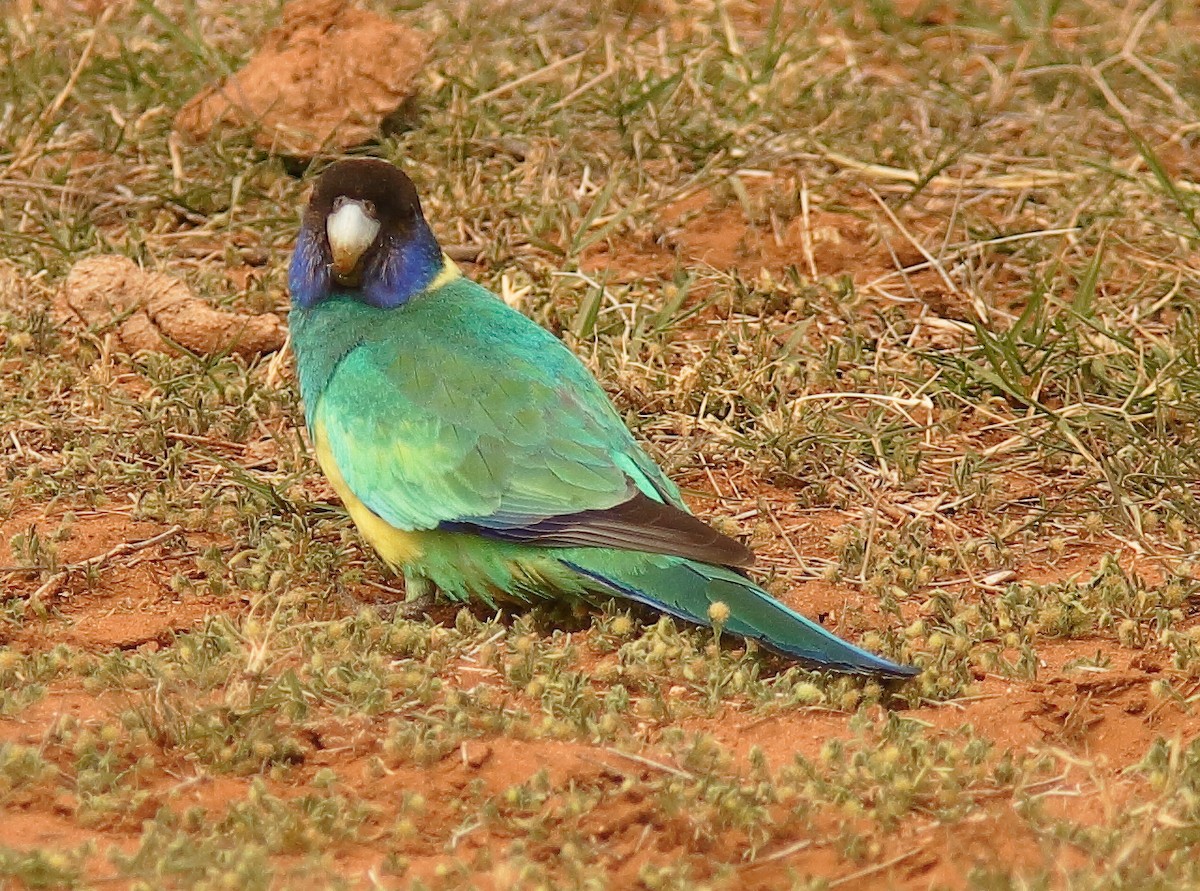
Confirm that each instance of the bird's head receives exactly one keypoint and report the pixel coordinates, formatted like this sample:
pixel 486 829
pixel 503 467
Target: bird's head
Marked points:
pixel 363 236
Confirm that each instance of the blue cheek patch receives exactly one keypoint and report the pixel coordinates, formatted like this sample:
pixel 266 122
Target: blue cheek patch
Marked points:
pixel 308 273
pixel 397 273
pixel 402 271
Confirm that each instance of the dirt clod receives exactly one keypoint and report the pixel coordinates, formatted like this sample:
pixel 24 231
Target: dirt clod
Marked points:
pixel 323 80
pixel 152 311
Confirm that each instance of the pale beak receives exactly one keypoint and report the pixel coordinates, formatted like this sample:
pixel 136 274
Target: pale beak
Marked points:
pixel 351 231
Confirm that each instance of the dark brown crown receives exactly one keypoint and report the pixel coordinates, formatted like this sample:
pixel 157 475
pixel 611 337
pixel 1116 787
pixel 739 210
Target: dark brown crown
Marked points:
pixel 365 179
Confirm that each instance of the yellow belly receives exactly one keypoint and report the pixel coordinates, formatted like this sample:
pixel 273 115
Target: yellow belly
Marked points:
pixel 395 546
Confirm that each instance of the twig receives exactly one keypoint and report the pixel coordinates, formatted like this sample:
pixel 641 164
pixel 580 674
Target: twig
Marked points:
pixel 531 76
pixel 657 765
pixel 580 90
pixel 972 248
pixel 787 540
pixel 126 547
pixel 878 867
pixel 899 403
pixel 1028 179
pixel 916 243
pixel 781 854
pixel 806 240
pixel 54 107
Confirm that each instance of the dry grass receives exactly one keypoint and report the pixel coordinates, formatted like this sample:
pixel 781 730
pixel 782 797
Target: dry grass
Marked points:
pixel 905 292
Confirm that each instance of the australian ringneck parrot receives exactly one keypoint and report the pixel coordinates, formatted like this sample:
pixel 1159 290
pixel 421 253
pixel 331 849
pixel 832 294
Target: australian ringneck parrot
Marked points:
pixel 477 454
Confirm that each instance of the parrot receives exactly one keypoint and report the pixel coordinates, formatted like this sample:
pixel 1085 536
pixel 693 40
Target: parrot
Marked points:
pixel 477 454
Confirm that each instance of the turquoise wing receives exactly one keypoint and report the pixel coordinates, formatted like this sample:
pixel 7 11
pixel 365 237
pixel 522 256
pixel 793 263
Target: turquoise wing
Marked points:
pixel 459 413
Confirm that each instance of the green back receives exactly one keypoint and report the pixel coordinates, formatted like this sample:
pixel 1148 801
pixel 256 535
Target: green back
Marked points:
pixel 456 408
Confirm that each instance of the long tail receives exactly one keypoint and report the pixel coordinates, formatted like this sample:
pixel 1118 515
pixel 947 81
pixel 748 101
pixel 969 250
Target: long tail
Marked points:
pixel 687 589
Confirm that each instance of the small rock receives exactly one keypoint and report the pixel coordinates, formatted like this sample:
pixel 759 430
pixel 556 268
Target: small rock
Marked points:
pixel 476 755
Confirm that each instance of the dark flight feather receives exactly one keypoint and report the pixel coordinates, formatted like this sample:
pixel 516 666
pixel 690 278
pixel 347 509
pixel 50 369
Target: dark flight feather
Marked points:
pixel 639 524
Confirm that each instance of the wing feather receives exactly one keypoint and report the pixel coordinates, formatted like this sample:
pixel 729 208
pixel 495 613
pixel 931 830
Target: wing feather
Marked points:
pixel 457 412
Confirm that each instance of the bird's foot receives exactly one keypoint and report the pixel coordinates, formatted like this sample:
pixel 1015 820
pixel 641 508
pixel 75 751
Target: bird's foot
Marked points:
pixel 420 596
pixel 415 608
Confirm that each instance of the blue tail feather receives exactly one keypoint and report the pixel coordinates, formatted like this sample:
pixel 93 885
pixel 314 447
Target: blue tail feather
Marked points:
pixel 685 589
